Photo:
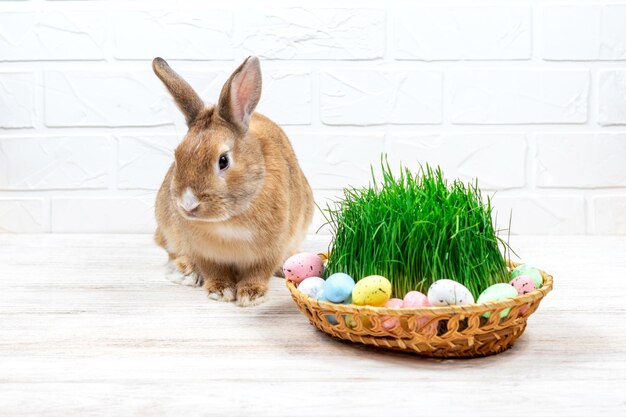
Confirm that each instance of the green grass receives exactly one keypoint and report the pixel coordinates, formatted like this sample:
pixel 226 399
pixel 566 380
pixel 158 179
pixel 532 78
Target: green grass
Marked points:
pixel 415 229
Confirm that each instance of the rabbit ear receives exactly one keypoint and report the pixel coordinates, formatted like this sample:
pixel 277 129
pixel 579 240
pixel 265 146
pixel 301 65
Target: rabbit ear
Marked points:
pixel 186 98
pixel 241 93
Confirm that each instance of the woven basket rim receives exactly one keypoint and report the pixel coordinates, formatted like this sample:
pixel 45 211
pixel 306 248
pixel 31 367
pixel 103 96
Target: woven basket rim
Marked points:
pixel 430 311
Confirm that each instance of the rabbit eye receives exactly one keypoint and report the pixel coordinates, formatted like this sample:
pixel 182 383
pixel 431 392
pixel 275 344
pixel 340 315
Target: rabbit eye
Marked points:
pixel 223 162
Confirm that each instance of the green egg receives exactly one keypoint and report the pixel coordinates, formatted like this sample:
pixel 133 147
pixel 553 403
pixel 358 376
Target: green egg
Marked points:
pixel 497 292
pixel 531 271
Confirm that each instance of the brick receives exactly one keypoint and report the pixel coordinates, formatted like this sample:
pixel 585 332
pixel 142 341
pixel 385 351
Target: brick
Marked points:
pixel 462 33
pixel 540 215
pixel 518 96
pixel 105 98
pixel 612 98
pixel 173 34
pixel 585 33
pixel 496 159
pixel 371 97
pixel 286 97
pixel 335 161
pixel 52 35
pixel 21 215
pixel 312 33
pixel 144 160
pixel 17 99
pixel 103 215
pixel 581 160
pixel 609 214
pixel 47 163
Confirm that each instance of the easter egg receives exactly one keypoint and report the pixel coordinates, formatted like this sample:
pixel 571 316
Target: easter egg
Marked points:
pixel 338 287
pixel 391 322
pixel 417 299
pixel 303 265
pixel 394 303
pixel 374 290
pixel 497 292
pixel 321 296
pixel 350 321
pixel 331 319
pixel 530 271
pixel 348 317
pixel 445 292
pixel 311 286
pixel 523 284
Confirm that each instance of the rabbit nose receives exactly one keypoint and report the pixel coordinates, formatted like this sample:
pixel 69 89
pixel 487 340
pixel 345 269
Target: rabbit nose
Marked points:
pixel 189 202
pixel 193 211
pixel 190 208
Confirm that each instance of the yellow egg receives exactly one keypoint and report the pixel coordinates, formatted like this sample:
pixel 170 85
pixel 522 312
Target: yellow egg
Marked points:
pixel 372 291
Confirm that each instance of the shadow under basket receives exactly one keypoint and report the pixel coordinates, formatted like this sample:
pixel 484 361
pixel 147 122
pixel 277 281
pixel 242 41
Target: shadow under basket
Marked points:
pixel 444 332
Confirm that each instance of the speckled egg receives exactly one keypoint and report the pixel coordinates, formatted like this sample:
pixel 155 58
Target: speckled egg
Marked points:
pixel 530 271
pixel 445 292
pixel 303 265
pixel 388 321
pixel 311 286
pixel 523 284
pixel 497 292
pixel 417 299
pixel 374 290
pixel 338 287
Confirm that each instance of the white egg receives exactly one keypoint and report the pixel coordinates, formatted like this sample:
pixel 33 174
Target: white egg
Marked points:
pixel 311 286
pixel 445 292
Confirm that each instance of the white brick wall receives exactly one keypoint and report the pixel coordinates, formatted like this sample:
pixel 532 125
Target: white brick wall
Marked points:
pixel 364 97
pixel 528 96
pixel 462 33
pixel 503 96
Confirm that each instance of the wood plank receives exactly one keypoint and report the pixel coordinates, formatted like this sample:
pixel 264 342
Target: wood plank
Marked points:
pixel 90 326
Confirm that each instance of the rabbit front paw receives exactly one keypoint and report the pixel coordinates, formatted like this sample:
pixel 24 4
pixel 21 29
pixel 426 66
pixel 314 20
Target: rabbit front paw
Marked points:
pixel 179 273
pixel 251 294
pixel 220 291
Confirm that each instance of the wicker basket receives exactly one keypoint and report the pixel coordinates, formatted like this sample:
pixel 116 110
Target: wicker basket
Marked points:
pixel 445 332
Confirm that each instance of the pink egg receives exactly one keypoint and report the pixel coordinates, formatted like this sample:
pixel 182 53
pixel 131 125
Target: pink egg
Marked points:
pixel 303 265
pixel 394 303
pixel 391 322
pixel 523 284
pixel 417 299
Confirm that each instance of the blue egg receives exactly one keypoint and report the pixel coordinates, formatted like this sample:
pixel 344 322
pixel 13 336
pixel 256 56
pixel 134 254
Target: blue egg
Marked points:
pixel 338 287
pixel 321 296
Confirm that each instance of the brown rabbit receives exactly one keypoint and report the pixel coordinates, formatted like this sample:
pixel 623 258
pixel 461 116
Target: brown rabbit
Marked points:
pixel 235 203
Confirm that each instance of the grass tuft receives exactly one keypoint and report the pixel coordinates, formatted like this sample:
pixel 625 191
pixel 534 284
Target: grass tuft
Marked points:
pixel 415 229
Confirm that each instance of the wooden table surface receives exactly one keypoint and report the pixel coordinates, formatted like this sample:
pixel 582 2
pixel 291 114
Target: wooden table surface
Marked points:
pixel 90 327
